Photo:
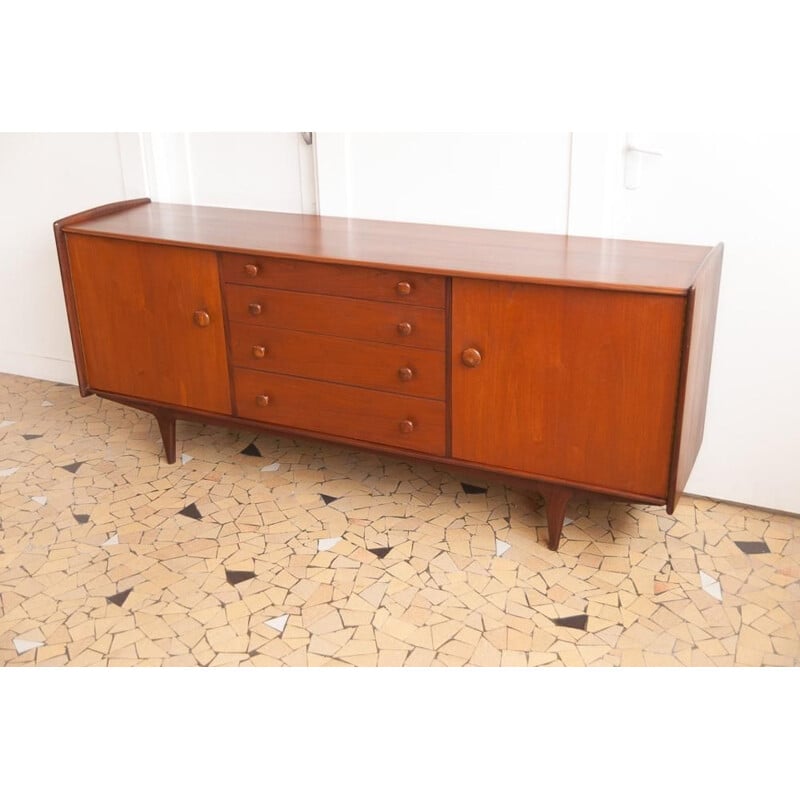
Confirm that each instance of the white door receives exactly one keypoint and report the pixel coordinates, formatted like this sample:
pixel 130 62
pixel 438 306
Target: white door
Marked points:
pixel 741 190
pixel 266 171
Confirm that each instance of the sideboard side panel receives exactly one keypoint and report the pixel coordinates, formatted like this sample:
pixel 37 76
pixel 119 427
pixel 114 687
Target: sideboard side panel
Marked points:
pixel 698 344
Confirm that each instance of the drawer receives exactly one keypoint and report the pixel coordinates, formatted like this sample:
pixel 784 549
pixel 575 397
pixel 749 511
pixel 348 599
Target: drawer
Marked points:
pixel 410 326
pixel 391 368
pixel 365 283
pixel 365 415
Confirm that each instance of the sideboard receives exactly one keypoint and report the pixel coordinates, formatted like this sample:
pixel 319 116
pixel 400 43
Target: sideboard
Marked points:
pixel 560 363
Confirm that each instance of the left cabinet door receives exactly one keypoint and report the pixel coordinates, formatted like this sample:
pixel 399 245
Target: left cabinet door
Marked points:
pixel 150 319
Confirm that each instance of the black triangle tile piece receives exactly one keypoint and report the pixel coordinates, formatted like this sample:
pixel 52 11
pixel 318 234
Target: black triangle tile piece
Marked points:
pixel 470 489
pixel 74 467
pixel 191 511
pixel 234 576
pixel 328 499
pixel 81 519
pixel 251 450
pixel 753 548
pixel 29 436
pixel 381 552
pixel 578 622
pixel 119 598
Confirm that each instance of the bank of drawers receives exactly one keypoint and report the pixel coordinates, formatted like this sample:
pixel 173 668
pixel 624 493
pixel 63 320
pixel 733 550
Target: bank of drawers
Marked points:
pixel 349 351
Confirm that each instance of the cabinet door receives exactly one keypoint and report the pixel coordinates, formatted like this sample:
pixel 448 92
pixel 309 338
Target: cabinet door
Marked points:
pixel 141 338
pixel 578 385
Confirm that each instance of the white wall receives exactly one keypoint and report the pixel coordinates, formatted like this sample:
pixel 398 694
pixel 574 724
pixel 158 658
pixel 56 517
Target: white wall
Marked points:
pixel 507 181
pixel 44 177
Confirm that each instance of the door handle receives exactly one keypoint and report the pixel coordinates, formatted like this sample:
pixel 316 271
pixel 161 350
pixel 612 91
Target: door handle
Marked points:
pixel 634 151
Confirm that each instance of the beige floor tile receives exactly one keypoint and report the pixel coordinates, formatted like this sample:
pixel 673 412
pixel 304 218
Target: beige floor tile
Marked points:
pixel 440 597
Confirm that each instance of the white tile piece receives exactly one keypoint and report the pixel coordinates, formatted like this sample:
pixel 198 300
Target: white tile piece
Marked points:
pixel 40 499
pixel 4 473
pixel 111 540
pixel 274 467
pixel 23 645
pixel 326 544
pixel 568 521
pixel 710 585
pixel 46 403
pixel 6 422
pixel 185 459
pixel 278 623
pixel 715 590
pixel 501 547
pixel 706 580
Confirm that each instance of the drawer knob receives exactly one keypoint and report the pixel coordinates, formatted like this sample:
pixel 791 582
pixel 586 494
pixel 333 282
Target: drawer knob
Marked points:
pixel 403 288
pixel 262 400
pixel 404 328
pixel 201 319
pixel 259 351
pixel 251 270
pixel 406 426
pixel 405 373
pixel 254 309
pixel 471 357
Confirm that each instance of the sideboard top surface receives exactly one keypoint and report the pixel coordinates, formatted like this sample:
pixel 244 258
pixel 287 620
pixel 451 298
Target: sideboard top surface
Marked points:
pixel 470 252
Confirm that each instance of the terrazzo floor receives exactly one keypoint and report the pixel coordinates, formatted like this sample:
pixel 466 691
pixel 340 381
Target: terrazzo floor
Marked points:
pixel 264 551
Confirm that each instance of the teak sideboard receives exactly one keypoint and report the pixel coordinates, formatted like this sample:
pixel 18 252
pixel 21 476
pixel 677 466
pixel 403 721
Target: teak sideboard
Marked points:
pixel 561 363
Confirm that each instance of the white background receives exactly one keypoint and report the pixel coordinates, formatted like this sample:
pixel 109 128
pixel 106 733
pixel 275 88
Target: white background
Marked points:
pixel 411 65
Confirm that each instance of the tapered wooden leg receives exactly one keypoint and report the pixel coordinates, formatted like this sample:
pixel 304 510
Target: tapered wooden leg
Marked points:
pixel 555 498
pixel 166 424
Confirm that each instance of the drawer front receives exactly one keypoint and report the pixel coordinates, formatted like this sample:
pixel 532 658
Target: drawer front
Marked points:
pixel 365 415
pixel 410 326
pixel 364 283
pixel 405 370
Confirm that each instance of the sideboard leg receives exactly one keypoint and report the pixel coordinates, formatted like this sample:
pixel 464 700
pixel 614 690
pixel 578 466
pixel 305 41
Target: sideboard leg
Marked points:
pixel 166 424
pixel 556 498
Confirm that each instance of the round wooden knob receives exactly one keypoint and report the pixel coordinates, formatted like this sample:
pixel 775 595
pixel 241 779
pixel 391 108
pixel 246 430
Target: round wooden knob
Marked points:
pixel 254 309
pixel 406 426
pixel 405 373
pixel 262 400
pixel 471 357
pixel 404 328
pixel 403 288
pixel 259 351
pixel 251 270
pixel 201 319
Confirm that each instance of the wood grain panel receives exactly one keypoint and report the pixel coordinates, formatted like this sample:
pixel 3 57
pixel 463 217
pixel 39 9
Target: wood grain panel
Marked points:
pixel 343 281
pixel 519 256
pixel 701 315
pixel 136 305
pixel 358 414
pixel 66 277
pixel 329 358
pixel 576 385
pixel 338 316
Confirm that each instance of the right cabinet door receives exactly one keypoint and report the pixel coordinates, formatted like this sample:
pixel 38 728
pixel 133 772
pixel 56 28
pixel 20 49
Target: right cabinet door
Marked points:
pixel 572 384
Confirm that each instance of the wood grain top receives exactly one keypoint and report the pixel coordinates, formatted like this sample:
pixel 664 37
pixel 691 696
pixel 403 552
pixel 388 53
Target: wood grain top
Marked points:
pixel 467 252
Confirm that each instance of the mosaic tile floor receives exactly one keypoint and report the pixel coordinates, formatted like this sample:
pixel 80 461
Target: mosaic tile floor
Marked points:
pixel 257 550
